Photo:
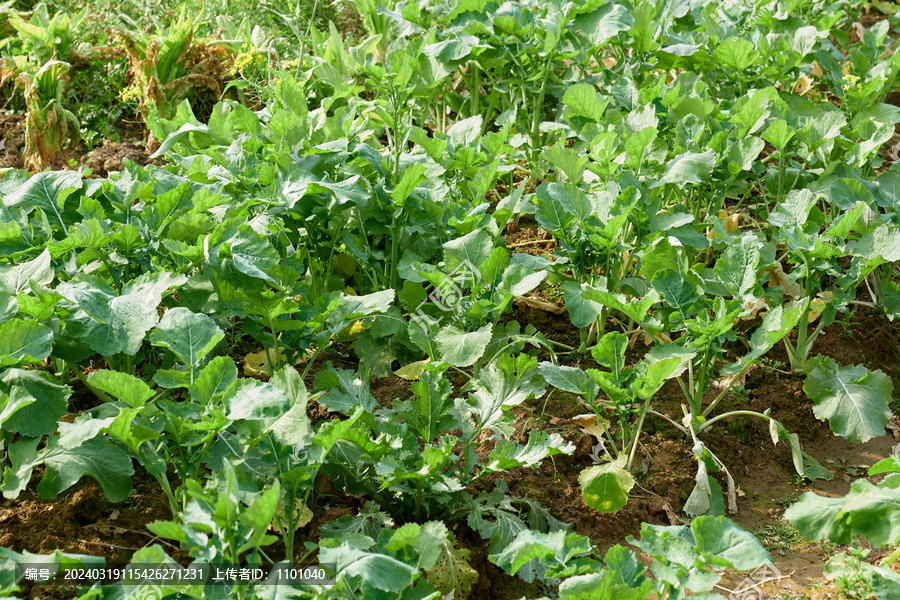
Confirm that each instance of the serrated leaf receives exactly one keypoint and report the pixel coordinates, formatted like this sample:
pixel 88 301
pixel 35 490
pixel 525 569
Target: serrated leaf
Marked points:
pixel 731 546
pixel 452 572
pixel 583 100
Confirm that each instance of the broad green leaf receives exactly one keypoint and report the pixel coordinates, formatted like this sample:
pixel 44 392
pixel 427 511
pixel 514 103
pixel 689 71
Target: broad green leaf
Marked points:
pixel 293 427
pixel 188 335
pixel 869 510
pixel 583 100
pixel 556 548
pixel 254 400
pixel 463 349
pixel 688 168
pixel 779 134
pixel 736 53
pixel 569 379
pixel 24 341
pixel 16 277
pixel 122 386
pixel 582 311
pixel 465 254
pixel 23 457
pixel 605 487
pixel 379 571
pixel 214 379
pixel 794 211
pixel 610 352
pixel 44 191
pixel 100 459
pixel 602 585
pixel 603 23
pixel 736 267
pixel 118 323
pixel 567 160
pixel 45 401
pixel 725 544
pixel 344 390
pixel 508 455
pixel 853 399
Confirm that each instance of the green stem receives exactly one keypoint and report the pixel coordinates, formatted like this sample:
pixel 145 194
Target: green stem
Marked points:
pixel 721 395
pixel 637 434
pixel 84 380
pixel 733 413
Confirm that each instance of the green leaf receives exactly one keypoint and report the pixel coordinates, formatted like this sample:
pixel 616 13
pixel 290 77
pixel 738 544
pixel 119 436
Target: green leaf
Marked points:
pixel 253 400
pixel 779 134
pixel 853 399
pixel 214 379
pixel 429 410
pixel 610 352
pixel 583 100
pixel 24 342
pixel 118 323
pixel 603 23
pixel 736 267
pixel 413 175
pixel 688 168
pixel 344 390
pixel 122 386
pixel 552 549
pixel 293 427
pixel 569 379
pixel 605 487
pixel 16 277
pixel 869 510
pixel 468 252
pixel 463 349
pixel 582 311
pixel 96 457
pixel 736 53
pixel 188 335
pixel 44 191
pixel 45 401
pixel 567 160
pixel 508 455
pixel 725 544
pixel 378 571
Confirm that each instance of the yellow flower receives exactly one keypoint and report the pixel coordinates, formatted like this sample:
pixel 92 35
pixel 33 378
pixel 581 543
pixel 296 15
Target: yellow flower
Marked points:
pixel 130 94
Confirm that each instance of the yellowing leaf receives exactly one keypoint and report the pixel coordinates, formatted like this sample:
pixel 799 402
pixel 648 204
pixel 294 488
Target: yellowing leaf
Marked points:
pixel 608 62
pixel 412 371
pixel 780 279
pixel 588 424
pixel 352 330
pixel 731 223
pixel 817 70
pixel 817 305
pixel 258 364
pixel 803 85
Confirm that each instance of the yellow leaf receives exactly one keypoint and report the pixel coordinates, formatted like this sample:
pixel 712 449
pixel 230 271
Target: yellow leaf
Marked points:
pixel 780 279
pixel 817 305
pixel 731 223
pixel 803 85
pixel 588 424
pixel 608 62
pixel 412 371
pixel 817 70
pixel 258 364
pixel 352 330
